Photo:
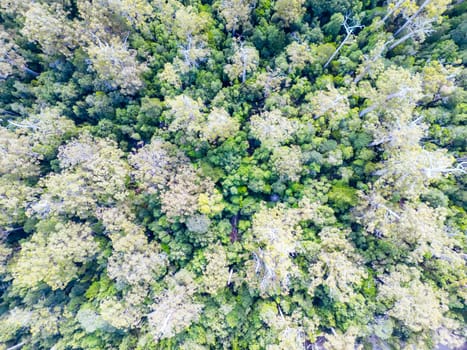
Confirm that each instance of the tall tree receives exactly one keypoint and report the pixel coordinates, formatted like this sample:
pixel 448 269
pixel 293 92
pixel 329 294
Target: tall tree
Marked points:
pixel 245 59
pixel 289 11
pixel 236 13
pixel 54 255
pixel 49 27
pixel 175 308
pixel 116 64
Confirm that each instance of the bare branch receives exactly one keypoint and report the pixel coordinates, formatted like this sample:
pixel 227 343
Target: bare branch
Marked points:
pixel 17 346
pixel 410 20
pixel 349 29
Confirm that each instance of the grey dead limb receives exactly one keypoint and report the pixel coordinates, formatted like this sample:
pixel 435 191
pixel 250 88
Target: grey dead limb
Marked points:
pixel 411 19
pixel 349 29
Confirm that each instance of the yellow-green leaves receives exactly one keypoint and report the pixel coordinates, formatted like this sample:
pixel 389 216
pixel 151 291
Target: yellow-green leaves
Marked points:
pixel 272 129
pixel 190 27
pixel 48 25
pixel 161 169
pixel 244 60
pixel 10 60
pixel 289 11
pixel 276 233
pixel 288 162
pixel 17 157
pixel 219 126
pixel 115 63
pixel 331 103
pixel 337 265
pixel 417 305
pixel 215 274
pixel 54 255
pixel 175 308
pixel 180 199
pixel 154 163
pixel 94 174
pixel 236 13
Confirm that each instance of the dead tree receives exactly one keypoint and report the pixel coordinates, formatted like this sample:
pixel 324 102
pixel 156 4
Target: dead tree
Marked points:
pixel 411 18
pixel 349 29
pixel 417 29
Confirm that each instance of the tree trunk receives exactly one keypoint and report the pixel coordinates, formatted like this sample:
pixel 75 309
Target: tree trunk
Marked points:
pixel 420 9
pixel 385 18
pixel 405 37
pixel 337 50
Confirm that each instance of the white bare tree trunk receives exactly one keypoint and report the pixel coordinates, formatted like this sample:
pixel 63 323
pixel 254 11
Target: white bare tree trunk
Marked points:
pixel 410 20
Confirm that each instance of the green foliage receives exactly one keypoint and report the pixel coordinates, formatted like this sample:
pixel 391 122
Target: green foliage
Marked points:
pixel 342 196
pixel 232 174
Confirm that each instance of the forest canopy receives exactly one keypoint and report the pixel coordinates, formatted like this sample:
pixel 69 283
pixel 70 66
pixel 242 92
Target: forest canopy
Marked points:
pixel 233 174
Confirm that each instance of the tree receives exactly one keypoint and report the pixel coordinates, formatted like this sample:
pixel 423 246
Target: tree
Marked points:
pixel 198 223
pixel 163 170
pixel 418 31
pixel 300 55
pixel 32 324
pixel 120 314
pixel 319 7
pixel 277 234
pixel 416 228
pixel 349 30
pixel 15 197
pixel 396 93
pixel 99 19
pixel 290 331
pixel 171 73
pixel 289 11
pixel 418 19
pixel 190 27
pixel 431 8
pixel 48 26
pixel 5 255
pixel 287 162
pixel 216 275
pixel 331 103
pixel 219 126
pixel 337 265
pixel 343 341
pixel 186 115
pixel 47 130
pixel 175 308
pixel 183 194
pixel 417 305
pixel 115 63
pixel 438 81
pixel 276 238
pixel 14 6
pixel 154 163
pixel 31 141
pixel 411 171
pixel 245 59
pixel 93 174
pixel 90 321
pixel 373 62
pixel 236 13
pixel 12 321
pixel 271 81
pixel 272 129
pixel 399 7
pixel 18 159
pixel 135 11
pixel 53 255
pixel 10 58
pixel 134 261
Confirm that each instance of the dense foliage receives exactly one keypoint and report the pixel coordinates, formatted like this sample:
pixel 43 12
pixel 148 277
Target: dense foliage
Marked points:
pixel 233 174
